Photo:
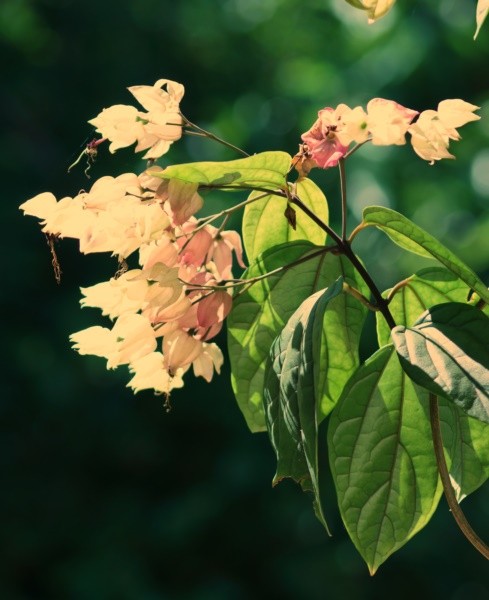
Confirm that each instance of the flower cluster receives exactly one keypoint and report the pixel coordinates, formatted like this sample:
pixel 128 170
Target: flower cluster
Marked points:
pixel 166 311
pixel 153 130
pixel 385 123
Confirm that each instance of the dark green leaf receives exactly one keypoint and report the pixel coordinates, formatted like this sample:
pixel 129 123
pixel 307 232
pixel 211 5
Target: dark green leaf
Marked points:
pixel 291 404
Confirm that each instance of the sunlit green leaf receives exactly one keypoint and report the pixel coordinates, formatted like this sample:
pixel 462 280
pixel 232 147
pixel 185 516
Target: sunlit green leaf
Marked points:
pixel 382 459
pixel 266 169
pixel 466 440
pixel 446 351
pixel 409 236
pixel 265 226
pixel 430 286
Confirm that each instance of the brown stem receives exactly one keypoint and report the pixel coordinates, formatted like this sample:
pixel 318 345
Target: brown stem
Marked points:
pixel 345 248
pixel 457 513
pixel 341 165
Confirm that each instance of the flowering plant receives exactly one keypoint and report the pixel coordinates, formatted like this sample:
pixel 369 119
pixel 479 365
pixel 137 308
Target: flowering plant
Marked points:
pixel 296 314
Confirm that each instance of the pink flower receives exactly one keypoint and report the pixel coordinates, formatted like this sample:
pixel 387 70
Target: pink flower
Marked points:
pixel 322 142
pixel 214 308
pixel 194 247
pixel 221 252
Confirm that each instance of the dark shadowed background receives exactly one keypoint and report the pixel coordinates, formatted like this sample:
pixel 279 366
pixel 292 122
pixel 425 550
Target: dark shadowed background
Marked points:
pixel 103 494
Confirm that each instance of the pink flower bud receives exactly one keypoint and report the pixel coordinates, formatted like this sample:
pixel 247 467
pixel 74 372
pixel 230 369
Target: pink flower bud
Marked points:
pixel 214 308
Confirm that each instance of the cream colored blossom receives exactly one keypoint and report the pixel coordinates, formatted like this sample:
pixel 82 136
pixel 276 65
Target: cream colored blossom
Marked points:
pixel 481 14
pixel 209 359
pixel 375 9
pixel 456 113
pixel 180 349
pixel 111 217
pixel 124 294
pixel 130 338
pixel 353 125
pixel 432 132
pixel 154 130
pixel 388 122
pixel 121 124
pixel 150 373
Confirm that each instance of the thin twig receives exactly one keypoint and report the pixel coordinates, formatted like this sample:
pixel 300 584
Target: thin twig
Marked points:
pixel 248 282
pixel 359 296
pixel 341 166
pixel 213 136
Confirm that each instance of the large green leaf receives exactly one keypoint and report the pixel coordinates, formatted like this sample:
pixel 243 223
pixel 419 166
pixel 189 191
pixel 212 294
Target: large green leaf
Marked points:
pixel 265 226
pixel 409 236
pixel 466 440
pixel 290 395
pixel 430 286
pixel 260 313
pixel 266 169
pixel 446 351
pixel 382 459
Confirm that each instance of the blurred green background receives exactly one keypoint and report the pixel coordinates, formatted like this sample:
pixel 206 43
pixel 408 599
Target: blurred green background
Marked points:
pixel 103 494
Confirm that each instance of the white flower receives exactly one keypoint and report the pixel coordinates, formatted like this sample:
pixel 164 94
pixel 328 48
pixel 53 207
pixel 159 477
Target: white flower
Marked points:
pixel 150 373
pixel 154 130
pixel 132 337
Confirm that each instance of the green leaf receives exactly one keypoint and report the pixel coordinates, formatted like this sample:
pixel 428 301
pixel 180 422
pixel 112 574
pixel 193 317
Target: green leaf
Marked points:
pixel 466 440
pixel 466 443
pixel 266 169
pixel 409 236
pixel 265 226
pixel 430 286
pixel 291 404
pixel 382 459
pixel 260 313
pixel 446 351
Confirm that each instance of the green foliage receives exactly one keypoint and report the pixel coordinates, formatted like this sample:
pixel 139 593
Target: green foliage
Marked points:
pixel 409 236
pixel 464 438
pixel 446 352
pixel 381 457
pixel 291 394
pixel 430 286
pixel 266 169
pixel 260 313
pixel 265 226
